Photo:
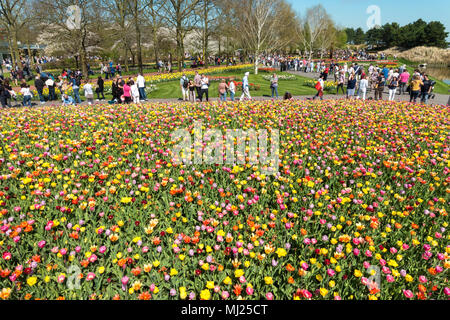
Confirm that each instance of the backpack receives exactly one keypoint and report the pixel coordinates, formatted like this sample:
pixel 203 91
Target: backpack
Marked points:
pixel 186 83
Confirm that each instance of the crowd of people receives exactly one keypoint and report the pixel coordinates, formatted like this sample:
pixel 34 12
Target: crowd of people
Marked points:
pixel 360 82
pixel 301 63
pixel 195 89
pixel 352 80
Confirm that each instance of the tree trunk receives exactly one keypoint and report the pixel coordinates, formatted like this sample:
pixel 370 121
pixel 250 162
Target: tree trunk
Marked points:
pixel 30 55
pixel 133 57
pixel 83 55
pixel 256 61
pixel 155 43
pixel 205 32
pixel 16 48
pixel 179 45
pixel 126 57
pixel 138 37
pixel 11 52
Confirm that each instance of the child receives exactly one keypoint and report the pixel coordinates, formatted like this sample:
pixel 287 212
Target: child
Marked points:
pixel 134 92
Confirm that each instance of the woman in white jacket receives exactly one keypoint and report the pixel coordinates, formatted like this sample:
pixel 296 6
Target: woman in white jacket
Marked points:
pixel 363 85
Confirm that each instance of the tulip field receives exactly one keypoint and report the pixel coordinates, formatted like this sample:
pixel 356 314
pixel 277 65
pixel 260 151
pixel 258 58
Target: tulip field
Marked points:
pixel 92 205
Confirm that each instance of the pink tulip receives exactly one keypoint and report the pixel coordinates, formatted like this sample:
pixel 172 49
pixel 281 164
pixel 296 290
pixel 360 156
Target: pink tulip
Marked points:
pixel 90 276
pixel 408 293
pixel 225 294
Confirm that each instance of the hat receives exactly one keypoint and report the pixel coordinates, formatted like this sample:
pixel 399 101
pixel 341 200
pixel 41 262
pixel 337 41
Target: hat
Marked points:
pixel 247 73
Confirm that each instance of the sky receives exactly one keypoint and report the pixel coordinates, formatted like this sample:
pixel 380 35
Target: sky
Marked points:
pixel 352 13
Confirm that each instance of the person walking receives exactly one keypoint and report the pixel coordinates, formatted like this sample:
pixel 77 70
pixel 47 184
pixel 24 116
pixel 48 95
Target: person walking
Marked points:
pixel 191 91
pixel 184 85
pixel 351 85
pixel 141 87
pixel 204 88
pixel 404 77
pixel 341 81
pixel 245 87
pixel 274 85
pixel 100 88
pixel 393 84
pixel 198 84
pixel 415 85
pixel 363 85
pixel 232 89
pixel 425 89
pixel 223 87
pixel 39 85
pixel 319 87
pixel 76 82
pixel 379 86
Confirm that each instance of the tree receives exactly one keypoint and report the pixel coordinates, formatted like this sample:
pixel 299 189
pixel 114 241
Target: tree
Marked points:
pixel 179 15
pixel 390 34
pixel 72 24
pixel 436 35
pixel 359 36
pixel 207 13
pixel 374 37
pixel 313 27
pixel 263 25
pixel 153 9
pixel 13 19
pixel 137 8
pixel 350 35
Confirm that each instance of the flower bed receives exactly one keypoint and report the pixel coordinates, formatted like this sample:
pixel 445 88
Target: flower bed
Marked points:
pixel 329 86
pixel 92 205
pixel 284 77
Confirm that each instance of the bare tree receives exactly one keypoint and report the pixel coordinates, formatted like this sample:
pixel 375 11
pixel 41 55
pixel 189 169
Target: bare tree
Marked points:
pixel 313 27
pixel 153 12
pixel 119 14
pixel 207 13
pixel 13 15
pixel 261 24
pixel 179 16
pixel 70 22
pixel 137 9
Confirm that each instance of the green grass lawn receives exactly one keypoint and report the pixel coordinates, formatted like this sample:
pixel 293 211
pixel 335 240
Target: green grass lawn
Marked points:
pixel 168 90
